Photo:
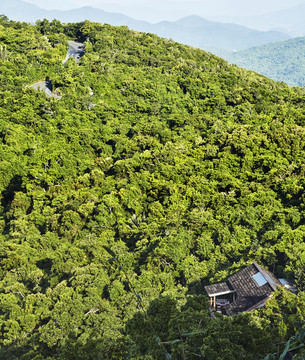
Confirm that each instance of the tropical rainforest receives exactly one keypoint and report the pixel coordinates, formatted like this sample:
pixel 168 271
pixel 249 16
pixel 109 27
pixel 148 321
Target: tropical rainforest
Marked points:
pixel 157 169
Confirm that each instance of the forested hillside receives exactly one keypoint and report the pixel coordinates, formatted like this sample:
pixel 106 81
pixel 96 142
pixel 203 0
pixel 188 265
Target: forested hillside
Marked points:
pixel 281 61
pixel 161 169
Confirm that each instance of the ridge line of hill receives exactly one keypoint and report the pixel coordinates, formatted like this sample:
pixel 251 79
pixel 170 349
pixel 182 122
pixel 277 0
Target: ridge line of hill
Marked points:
pixel 221 35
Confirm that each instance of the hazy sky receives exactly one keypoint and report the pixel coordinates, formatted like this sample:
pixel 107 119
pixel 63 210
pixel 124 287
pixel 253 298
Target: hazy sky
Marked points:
pixel 171 9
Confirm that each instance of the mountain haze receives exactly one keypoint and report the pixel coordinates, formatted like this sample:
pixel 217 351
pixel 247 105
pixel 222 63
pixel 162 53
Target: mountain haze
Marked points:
pixel 281 61
pixel 172 10
pixel 288 20
pixel 192 30
pixel 198 32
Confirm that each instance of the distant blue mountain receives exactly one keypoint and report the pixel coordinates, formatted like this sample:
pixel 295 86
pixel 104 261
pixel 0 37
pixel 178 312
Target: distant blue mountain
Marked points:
pixel 289 20
pixel 198 32
pixel 191 30
pixel 281 61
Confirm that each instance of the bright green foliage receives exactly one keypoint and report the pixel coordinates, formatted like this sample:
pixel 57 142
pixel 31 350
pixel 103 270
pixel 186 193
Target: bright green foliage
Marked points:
pixel 285 312
pixel 185 167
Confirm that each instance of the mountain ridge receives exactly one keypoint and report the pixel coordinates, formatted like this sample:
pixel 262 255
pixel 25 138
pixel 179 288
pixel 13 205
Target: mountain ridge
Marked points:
pixel 227 36
pixel 280 61
pixel 289 20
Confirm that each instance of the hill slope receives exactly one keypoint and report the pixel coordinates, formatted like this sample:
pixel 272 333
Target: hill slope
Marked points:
pixel 282 61
pixel 161 168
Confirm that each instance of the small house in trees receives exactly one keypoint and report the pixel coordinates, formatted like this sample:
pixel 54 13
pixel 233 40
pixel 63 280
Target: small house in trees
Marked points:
pixel 246 290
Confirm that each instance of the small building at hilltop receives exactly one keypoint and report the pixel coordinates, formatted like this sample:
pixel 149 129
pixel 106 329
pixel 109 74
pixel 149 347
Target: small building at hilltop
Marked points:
pixel 246 290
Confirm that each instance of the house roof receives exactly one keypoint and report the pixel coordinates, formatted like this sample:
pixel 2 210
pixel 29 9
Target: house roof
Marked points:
pixel 252 286
pixel 219 289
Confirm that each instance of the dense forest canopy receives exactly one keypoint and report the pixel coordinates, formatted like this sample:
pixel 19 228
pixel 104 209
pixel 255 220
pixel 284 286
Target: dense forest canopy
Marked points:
pixel 281 61
pixel 162 168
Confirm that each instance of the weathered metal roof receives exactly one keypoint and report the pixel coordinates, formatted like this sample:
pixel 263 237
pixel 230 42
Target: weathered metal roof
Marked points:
pixel 252 286
pixel 218 289
pixel 248 291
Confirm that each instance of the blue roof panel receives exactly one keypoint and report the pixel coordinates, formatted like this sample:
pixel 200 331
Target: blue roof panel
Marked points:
pixel 259 278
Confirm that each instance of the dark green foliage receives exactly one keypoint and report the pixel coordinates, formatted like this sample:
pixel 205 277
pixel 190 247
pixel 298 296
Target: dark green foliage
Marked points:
pixel 162 156
pixel 285 313
pixel 295 347
pixel 190 333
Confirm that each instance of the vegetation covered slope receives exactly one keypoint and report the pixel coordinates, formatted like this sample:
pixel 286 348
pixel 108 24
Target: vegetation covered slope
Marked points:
pixel 281 61
pixel 161 169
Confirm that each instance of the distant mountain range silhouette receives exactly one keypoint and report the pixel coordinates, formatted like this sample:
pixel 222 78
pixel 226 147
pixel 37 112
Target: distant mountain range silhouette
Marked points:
pixel 191 30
